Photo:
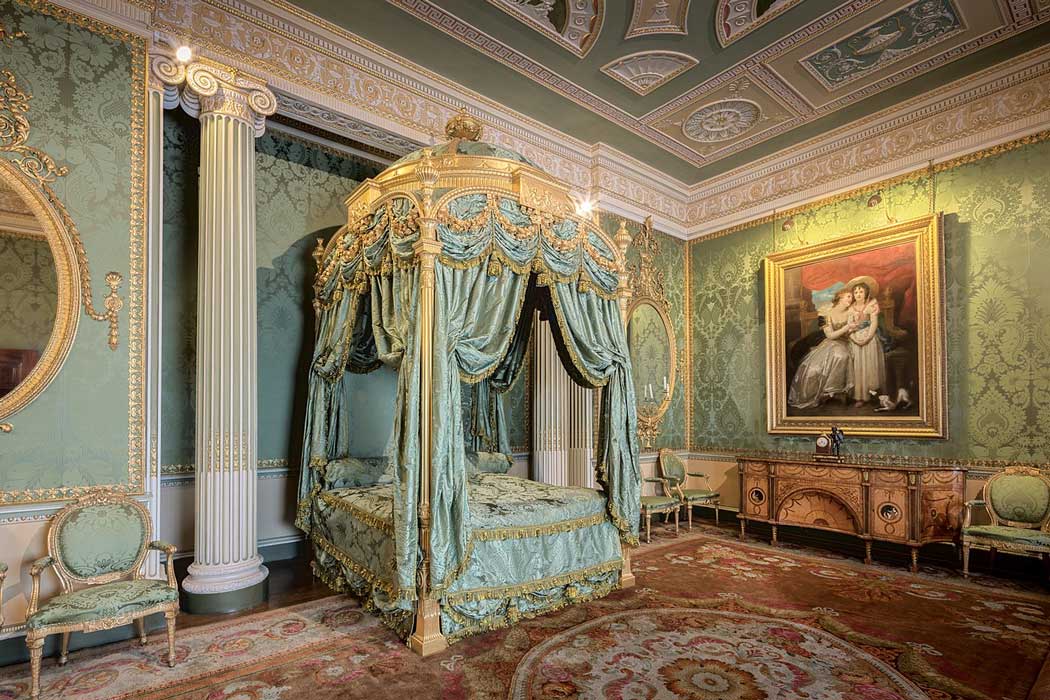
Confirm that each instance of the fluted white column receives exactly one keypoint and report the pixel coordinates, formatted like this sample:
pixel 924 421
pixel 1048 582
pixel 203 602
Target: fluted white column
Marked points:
pixel 227 571
pixel 581 436
pixel 551 412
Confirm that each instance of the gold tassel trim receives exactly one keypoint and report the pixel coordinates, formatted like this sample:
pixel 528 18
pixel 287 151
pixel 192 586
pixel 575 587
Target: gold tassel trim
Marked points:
pixel 515 533
pixel 373 579
pixel 512 615
pixel 542 584
pixel 370 519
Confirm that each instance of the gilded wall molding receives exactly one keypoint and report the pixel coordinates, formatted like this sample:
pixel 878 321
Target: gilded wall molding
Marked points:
pixel 39 163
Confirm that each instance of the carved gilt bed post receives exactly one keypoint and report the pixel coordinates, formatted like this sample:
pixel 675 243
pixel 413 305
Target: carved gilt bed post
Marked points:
pixel 426 638
pixel 623 242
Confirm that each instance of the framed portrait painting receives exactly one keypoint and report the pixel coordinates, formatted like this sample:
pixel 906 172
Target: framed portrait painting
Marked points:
pixel 855 334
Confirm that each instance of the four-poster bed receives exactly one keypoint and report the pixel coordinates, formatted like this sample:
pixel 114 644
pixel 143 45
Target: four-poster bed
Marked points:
pixel 444 258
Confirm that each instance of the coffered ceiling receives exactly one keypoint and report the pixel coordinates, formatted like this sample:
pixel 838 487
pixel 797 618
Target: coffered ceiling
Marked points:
pixel 697 88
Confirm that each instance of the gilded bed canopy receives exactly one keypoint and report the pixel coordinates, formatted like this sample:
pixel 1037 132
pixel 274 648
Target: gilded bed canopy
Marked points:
pixel 436 273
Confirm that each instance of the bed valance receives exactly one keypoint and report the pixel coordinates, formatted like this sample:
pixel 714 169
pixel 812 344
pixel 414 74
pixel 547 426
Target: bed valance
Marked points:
pixel 443 260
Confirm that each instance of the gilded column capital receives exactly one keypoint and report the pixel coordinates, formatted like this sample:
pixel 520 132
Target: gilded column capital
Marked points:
pixel 204 87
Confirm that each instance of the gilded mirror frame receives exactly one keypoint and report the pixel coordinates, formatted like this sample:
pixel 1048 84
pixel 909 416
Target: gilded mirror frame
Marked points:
pixel 67 305
pixel 649 423
pixel 647 287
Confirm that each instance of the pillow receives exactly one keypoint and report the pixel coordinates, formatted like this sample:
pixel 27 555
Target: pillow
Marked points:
pixel 356 472
pixel 488 463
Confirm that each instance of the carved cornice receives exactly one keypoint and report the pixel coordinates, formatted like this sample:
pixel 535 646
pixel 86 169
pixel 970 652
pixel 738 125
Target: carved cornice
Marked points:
pixel 205 88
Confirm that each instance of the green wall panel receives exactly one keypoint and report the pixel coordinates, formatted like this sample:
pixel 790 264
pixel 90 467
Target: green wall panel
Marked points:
pixel 85 87
pixel 996 230
pixel 299 197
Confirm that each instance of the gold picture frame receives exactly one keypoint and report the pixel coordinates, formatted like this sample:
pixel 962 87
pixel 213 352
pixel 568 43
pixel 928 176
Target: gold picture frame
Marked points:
pixel 885 379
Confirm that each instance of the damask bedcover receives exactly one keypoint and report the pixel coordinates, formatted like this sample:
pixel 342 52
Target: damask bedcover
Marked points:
pixel 535 547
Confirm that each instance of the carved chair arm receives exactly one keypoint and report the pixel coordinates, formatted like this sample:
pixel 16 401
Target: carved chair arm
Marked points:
pixel 969 510
pixel 662 481
pixel 169 550
pixel 38 568
pixel 701 475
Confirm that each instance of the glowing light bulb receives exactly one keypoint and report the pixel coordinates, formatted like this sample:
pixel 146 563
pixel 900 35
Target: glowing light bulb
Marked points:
pixel 585 208
pixel 183 54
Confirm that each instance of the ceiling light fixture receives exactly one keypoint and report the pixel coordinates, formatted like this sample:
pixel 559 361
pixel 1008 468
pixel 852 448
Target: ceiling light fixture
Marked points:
pixel 183 54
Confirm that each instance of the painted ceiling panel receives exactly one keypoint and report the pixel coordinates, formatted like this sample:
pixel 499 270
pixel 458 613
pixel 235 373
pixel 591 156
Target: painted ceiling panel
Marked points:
pixel 698 88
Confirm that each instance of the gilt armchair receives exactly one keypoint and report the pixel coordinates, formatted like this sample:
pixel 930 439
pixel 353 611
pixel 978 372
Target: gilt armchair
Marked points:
pixel 658 504
pixel 1017 501
pixel 96 546
pixel 673 470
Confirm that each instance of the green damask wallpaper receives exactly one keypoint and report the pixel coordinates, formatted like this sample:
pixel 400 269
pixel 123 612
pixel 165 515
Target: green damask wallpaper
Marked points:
pixel 997 231
pixel 299 197
pixel 85 88
pixel 671 262
pixel 28 292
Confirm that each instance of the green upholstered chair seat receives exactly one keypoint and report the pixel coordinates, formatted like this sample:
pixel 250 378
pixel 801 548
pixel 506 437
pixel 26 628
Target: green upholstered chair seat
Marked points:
pixel 103 601
pixel 1003 533
pixel 691 495
pixel 652 502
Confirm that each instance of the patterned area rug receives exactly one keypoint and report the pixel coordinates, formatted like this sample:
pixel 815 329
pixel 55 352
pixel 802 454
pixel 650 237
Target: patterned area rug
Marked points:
pixel 711 618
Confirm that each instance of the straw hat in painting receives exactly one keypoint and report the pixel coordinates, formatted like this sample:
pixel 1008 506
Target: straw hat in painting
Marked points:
pixel 866 279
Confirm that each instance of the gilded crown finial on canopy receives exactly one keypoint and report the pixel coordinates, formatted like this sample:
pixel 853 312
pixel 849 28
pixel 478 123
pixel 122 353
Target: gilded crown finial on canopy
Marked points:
pixel 463 126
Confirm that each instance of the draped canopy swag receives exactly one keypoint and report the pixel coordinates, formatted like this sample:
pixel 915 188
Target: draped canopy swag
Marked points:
pixel 437 272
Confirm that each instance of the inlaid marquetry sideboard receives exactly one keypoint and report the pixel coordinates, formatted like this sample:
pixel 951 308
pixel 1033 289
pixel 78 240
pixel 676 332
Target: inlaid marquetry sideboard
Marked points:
pixel 910 505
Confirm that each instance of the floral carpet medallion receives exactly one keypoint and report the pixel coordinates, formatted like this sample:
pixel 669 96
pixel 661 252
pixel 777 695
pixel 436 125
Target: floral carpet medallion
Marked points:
pixel 706 655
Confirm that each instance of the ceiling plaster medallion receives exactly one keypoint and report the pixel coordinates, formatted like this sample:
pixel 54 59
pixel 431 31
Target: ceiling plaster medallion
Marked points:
pixel 575 24
pixel 645 71
pixel 721 121
pixel 658 17
pixel 735 18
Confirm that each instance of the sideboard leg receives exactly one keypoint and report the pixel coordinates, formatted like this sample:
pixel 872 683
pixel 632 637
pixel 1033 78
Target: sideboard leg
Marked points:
pixel 915 560
pixel 743 528
pixel 867 551
pixel 774 540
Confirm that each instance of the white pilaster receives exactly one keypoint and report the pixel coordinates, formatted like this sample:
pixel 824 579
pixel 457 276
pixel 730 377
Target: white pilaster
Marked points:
pixel 154 286
pixel 232 108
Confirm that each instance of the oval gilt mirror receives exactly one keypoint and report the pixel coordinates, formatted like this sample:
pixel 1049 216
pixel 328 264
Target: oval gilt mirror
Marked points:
pixel 650 338
pixel 38 297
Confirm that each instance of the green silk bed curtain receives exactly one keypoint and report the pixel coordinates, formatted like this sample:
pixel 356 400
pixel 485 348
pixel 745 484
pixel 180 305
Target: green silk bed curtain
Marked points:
pixel 494 252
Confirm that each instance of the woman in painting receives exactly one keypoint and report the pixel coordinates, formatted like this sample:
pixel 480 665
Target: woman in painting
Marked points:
pixel 868 358
pixel 827 370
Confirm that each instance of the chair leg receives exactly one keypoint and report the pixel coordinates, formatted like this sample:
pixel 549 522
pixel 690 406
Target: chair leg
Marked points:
pixel 169 617
pixel 716 514
pixel 689 515
pixel 140 628
pixel 676 511
pixel 63 656
pixel 648 527
pixel 991 559
pixel 36 653
pixel 966 560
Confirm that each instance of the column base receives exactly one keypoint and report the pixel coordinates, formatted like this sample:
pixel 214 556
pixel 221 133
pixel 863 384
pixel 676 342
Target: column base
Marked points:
pixel 211 589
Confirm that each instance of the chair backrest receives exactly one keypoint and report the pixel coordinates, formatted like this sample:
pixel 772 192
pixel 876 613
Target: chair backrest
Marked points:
pixel 99 538
pixel 1018 497
pixel 672 467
